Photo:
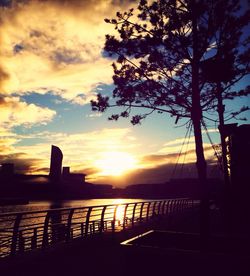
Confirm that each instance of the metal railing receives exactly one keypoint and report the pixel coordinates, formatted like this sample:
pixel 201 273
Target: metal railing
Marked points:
pixel 24 231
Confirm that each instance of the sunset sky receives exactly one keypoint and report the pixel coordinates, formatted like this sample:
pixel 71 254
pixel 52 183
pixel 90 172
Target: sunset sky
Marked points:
pixel 51 65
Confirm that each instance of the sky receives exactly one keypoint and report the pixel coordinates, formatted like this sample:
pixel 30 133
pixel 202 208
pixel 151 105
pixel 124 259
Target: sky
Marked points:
pixel 51 66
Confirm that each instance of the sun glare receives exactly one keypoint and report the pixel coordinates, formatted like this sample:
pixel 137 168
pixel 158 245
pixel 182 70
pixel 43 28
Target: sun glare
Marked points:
pixel 115 163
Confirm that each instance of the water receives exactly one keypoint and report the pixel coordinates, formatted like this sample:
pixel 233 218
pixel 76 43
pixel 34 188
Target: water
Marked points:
pixel 49 204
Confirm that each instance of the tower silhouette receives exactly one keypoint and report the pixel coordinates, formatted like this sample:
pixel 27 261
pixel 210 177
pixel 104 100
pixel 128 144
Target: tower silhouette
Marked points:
pixel 55 163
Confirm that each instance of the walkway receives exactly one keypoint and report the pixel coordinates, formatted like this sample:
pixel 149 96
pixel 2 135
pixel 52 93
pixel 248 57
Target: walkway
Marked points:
pixel 102 254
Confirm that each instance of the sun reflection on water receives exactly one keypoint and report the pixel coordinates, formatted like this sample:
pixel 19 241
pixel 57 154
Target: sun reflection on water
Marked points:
pixel 120 214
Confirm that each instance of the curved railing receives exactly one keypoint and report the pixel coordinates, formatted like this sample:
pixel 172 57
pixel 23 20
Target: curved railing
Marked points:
pixel 25 231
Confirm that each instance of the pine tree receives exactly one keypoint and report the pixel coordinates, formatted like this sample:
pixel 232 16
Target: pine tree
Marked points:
pixel 170 56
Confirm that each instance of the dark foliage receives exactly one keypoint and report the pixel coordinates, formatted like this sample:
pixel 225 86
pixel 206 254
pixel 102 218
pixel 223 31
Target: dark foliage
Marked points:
pixel 154 53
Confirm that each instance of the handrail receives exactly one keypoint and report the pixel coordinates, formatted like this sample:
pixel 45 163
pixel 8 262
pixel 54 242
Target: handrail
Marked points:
pixel 40 229
pixel 69 208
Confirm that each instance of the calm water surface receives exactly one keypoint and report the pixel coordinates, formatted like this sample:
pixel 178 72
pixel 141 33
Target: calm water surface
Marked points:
pixel 47 204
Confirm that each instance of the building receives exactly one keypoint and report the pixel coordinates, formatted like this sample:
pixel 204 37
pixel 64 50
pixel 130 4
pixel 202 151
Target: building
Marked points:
pixel 55 163
pixel 67 176
pixel 59 184
pixel 238 147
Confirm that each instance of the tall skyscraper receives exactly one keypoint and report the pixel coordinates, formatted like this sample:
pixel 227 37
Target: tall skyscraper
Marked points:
pixel 55 163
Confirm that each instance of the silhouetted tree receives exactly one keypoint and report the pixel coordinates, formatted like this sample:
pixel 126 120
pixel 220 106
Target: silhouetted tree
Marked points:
pixel 166 54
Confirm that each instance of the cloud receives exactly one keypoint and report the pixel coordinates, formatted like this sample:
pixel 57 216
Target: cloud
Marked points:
pixel 89 146
pixel 157 158
pixel 184 149
pixel 14 112
pixel 189 156
pixel 23 164
pixel 3 76
pixel 94 115
pixel 57 47
pixel 165 172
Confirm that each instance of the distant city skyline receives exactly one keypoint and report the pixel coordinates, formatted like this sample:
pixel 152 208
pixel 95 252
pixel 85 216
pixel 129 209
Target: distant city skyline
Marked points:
pixel 52 65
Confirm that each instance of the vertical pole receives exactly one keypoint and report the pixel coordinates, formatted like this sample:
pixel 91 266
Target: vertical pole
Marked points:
pixel 102 219
pixel 227 189
pixel 15 234
pixel 163 207
pixel 178 204
pixel 82 229
pixel 148 208
pixel 87 220
pixel 34 239
pixel 125 216
pixel 114 219
pixel 142 204
pixel 69 232
pixel 21 242
pixel 168 207
pixel 153 212
pixel 45 230
pixel 221 109
pixel 159 207
pixel 133 216
pixel 174 206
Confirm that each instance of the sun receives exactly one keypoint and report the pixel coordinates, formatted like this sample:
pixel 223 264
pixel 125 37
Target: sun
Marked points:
pixel 115 163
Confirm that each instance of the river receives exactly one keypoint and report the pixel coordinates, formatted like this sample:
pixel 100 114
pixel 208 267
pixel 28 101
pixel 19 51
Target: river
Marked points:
pixel 49 204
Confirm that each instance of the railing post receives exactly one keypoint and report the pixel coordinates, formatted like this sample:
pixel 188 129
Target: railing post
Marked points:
pixel 87 220
pixel 177 205
pixel 21 242
pixel 102 219
pixel 69 223
pixel 168 207
pixel 45 230
pixel 125 216
pixel 153 212
pixel 159 208
pixel 15 234
pixel 174 206
pixel 148 208
pixel 114 219
pixel 163 207
pixel 141 211
pixel 34 239
pixel 133 216
pixel 82 229
pixel 58 230
pixel 181 205
pixel 171 206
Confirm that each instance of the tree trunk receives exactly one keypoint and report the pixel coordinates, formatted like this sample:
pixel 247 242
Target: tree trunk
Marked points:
pixel 196 115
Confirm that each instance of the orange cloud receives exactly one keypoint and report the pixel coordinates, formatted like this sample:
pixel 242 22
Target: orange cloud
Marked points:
pixel 58 47
pixel 89 146
pixel 14 112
